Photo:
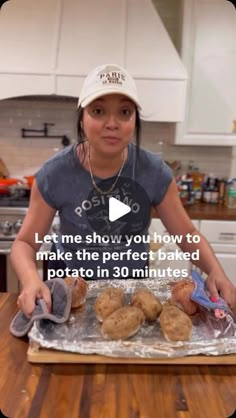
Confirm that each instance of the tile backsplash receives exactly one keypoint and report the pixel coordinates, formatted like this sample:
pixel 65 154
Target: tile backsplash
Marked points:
pixel 26 155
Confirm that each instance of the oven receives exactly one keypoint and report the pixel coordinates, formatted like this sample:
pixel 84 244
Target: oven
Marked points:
pixel 8 279
pixel 11 219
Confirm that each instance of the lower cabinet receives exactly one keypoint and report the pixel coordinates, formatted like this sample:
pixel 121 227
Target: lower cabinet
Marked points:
pixel 221 235
pixel 222 238
pixel 228 262
pixel 173 265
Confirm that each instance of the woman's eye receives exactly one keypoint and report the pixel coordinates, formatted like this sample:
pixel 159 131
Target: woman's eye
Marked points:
pixel 126 112
pixel 97 111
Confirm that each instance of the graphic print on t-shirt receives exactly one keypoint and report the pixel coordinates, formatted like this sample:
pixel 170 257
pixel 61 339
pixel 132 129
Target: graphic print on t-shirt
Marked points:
pixel 128 192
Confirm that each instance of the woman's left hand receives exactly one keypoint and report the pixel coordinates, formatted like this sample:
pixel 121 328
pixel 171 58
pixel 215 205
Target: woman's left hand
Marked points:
pixel 218 283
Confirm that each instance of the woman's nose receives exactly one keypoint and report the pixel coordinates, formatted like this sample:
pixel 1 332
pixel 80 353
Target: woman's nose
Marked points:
pixel 112 121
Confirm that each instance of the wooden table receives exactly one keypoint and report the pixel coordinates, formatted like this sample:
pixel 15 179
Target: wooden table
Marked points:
pixel 105 390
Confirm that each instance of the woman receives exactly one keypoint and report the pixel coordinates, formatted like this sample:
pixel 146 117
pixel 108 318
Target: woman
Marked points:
pixel 78 180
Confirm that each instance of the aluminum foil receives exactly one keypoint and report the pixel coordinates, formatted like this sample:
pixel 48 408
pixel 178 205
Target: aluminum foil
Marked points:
pixel 81 333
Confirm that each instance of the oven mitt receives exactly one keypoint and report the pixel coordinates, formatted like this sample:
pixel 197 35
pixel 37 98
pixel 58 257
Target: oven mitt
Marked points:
pixel 61 295
pixel 200 296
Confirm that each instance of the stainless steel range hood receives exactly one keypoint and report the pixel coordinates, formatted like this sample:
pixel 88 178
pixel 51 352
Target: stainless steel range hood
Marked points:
pixel 70 37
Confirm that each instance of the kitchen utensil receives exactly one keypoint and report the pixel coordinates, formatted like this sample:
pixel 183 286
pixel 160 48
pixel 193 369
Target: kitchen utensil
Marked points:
pixel 6 183
pixel 29 179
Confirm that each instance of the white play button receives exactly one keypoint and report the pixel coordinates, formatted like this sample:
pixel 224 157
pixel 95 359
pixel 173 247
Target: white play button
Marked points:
pixel 117 209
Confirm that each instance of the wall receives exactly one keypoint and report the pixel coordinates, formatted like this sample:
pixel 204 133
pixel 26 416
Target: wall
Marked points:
pixel 211 160
pixel 25 155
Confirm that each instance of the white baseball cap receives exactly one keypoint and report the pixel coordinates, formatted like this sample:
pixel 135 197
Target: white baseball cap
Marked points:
pixel 108 79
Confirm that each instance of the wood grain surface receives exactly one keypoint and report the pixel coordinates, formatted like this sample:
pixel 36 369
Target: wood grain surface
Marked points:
pixel 107 390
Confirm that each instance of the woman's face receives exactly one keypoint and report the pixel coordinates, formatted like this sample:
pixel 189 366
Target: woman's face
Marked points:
pixel 109 123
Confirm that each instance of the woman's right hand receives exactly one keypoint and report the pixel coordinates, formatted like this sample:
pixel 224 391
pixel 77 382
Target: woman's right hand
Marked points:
pixel 35 289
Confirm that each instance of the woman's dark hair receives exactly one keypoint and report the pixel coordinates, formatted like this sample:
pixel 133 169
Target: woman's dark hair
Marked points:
pixel 81 137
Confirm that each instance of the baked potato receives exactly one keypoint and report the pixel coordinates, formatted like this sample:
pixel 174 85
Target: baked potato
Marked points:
pixel 123 323
pixel 175 324
pixel 79 290
pixel 108 301
pixel 181 296
pixel 145 300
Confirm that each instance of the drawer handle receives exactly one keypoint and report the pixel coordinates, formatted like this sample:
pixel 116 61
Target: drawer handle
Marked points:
pixel 227 235
pixel 5 251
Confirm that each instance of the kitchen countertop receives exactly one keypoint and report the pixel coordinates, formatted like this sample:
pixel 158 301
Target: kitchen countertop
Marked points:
pixel 208 211
pixel 107 390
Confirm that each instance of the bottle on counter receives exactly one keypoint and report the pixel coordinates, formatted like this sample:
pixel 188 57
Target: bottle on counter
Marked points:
pixel 222 189
pixel 210 192
pixel 231 194
pixel 206 191
pixel 187 184
pixel 198 179
pixel 215 191
pixel 183 193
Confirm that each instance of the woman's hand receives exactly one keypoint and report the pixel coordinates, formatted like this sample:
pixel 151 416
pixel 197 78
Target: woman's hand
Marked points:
pixel 36 289
pixel 217 283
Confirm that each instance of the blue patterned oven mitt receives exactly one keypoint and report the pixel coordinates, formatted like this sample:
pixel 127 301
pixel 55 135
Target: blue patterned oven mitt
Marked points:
pixel 200 296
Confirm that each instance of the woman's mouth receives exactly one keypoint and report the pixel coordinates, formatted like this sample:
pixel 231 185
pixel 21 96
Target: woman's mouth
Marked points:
pixel 111 139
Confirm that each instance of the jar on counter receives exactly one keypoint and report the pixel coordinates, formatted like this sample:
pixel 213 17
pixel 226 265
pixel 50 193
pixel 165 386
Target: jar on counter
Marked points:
pixel 210 190
pixel 231 194
pixel 183 193
pixel 191 194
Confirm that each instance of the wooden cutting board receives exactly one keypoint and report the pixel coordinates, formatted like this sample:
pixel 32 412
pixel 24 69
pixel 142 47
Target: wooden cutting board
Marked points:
pixel 43 355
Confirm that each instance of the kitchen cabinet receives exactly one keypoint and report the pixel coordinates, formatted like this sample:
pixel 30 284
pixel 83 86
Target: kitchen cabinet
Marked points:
pixel 50 47
pixel 222 238
pixel 27 51
pixel 220 234
pixel 42 45
pixel 209 53
pixel 158 227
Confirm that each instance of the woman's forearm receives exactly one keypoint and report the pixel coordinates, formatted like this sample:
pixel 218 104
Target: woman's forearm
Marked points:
pixel 24 262
pixel 207 260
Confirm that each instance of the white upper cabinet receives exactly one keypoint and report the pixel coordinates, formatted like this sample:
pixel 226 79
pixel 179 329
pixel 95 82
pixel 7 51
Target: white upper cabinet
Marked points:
pixel 27 51
pixel 26 46
pixel 209 54
pixel 51 45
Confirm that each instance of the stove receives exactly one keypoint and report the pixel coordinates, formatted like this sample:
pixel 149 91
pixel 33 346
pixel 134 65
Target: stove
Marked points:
pixel 8 201
pixel 11 220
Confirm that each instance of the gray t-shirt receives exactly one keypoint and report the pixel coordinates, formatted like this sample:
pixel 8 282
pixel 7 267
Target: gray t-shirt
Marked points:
pixel 66 186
